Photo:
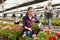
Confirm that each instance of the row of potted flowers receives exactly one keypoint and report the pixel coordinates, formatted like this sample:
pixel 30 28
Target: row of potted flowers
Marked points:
pixel 14 31
pixel 11 32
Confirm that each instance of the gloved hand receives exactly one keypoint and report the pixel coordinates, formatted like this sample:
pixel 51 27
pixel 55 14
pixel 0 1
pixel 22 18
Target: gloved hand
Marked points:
pixel 29 29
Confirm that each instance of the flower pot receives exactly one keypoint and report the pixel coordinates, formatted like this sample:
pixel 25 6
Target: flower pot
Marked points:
pixel 17 38
pixel 6 38
pixel 34 31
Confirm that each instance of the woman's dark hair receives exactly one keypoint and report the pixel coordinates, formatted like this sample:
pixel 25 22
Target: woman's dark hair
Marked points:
pixel 28 10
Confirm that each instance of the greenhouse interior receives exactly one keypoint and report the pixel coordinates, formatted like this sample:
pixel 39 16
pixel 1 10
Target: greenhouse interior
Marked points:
pixel 29 19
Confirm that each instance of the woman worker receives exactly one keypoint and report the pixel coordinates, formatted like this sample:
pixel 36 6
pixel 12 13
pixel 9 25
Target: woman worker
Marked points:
pixel 27 20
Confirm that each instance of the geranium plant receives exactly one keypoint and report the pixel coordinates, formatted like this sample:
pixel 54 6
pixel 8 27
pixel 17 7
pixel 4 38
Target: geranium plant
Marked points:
pixel 11 33
pixel 34 26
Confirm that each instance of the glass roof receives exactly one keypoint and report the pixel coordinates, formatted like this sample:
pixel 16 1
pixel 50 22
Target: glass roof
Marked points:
pixel 12 3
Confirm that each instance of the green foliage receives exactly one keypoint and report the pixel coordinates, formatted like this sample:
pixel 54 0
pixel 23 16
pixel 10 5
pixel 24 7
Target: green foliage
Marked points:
pixel 34 26
pixel 26 38
pixel 56 23
pixel 52 33
pixel 0 29
pixel 42 35
pixel 1 23
pixel 18 33
pixel 11 34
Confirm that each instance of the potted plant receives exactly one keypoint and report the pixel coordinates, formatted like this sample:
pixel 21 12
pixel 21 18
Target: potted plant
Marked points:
pixel 10 33
pixel 34 27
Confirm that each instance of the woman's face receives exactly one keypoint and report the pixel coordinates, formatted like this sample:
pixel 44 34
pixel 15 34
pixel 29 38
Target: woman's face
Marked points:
pixel 30 11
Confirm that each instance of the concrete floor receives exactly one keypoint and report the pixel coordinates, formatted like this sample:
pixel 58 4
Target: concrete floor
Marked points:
pixel 56 28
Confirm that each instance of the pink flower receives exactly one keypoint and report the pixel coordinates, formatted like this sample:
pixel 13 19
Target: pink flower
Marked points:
pixel 47 31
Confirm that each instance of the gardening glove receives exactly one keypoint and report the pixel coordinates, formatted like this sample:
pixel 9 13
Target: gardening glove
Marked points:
pixel 39 25
pixel 29 29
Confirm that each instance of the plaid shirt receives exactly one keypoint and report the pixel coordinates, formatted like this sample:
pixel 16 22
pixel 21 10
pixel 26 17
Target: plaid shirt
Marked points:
pixel 27 21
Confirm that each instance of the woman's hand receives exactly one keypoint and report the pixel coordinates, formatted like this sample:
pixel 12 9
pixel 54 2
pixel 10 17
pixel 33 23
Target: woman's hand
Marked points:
pixel 33 20
pixel 28 28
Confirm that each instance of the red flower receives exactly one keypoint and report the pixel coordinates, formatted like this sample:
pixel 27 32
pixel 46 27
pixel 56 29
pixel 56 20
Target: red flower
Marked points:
pixel 15 30
pixel 54 38
pixel 7 28
pixel 57 34
pixel 50 38
pixel 13 33
pixel 21 28
pixel 3 25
